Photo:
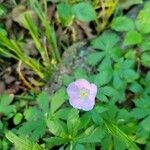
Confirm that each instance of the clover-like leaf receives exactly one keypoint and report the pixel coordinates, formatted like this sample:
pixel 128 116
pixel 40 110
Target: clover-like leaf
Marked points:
pixel 122 23
pixel 5 104
pixel 124 70
pixel 108 92
pixel 143 20
pixel 145 59
pixel 65 13
pixel 132 38
pixel 103 41
pixel 84 11
pixel 109 48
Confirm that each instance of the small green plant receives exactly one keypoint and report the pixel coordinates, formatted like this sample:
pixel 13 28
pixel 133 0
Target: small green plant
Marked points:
pixel 50 55
pixel 22 143
pixel 120 118
pixel 86 11
pixel 65 126
pixel 45 39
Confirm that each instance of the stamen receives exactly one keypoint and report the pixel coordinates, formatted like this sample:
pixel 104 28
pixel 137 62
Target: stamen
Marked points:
pixel 83 93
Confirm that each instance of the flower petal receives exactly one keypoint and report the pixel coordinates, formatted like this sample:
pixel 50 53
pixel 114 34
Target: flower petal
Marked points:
pixel 77 94
pixel 73 90
pixel 75 102
pixel 85 105
pixel 93 91
pixel 82 83
pixel 88 105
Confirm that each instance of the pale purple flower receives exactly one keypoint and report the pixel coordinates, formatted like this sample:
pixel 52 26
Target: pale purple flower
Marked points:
pixel 82 94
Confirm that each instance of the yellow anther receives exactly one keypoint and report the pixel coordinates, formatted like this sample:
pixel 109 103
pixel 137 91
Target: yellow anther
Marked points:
pixel 83 93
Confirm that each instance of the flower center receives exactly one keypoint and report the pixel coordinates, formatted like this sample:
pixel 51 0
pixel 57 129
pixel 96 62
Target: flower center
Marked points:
pixel 83 93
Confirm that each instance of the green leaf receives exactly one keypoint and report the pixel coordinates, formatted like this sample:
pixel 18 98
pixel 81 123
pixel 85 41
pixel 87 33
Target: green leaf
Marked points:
pixel 54 141
pixel 130 75
pixel 103 41
pixel 35 124
pixel 100 96
pixel 143 20
pixel 73 122
pixel 139 113
pixel 119 144
pixel 17 118
pixel 95 136
pixel 143 103
pixel 146 123
pixel 124 116
pixel 5 107
pixel 58 99
pixel 145 45
pixel 43 101
pixel 1 125
pixel 79 147
pixel 103 78
pixel 147 146
pixel 142 136
pixel 124 72
pixel 101 109
pixel 34 129
pixel 136 87
pixel 22 143
pixel 109 91
pixel 62 113
pixel 84 11
pixel 145 59
pixel 65 13
pixel 132 38
pixel 128 64
pixel 115 131
pixel 131 54
pixel 57 127
pixel 146 5
pixel 85 120
pixel 3 10
pixel 3 31
pixel 67 79
pixel 32 113
pixel 147 79
pixel 107 142
pixel 93 58
pixel 122 23
pixel 106 92
pixel 106 64
pixel 128 3
pixel 80 73
pixel 118 82
pixel 96 117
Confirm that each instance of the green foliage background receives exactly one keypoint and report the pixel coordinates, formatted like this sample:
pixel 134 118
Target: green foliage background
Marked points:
pixel 120 119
